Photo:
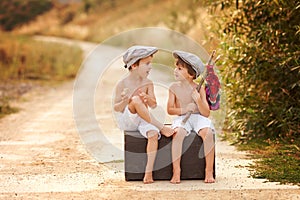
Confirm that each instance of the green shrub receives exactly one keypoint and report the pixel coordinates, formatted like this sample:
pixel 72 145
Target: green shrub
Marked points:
pixel 261 71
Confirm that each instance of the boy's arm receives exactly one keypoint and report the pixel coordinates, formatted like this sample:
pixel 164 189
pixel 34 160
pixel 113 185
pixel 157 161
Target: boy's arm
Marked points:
pixel 200 99
pixel 121 98
pixel 149 98
pixel 171 106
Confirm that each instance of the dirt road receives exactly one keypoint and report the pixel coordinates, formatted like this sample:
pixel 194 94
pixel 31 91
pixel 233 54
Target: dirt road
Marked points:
pixel 46 155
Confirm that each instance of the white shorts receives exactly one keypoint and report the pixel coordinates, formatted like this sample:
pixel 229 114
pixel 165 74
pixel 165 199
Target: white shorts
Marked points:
pixel 133 122
pixel 196 122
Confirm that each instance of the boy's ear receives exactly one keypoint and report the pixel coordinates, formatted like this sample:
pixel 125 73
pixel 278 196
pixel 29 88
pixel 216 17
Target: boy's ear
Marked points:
pixel 135 65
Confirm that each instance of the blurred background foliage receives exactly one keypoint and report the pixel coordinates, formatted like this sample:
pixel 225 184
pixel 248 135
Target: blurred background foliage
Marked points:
pixel 22 57
pixel 97 20
pixel 26 64
pixel 14 13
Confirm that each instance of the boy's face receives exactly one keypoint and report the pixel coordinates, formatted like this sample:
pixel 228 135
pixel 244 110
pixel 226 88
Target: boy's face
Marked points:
pixel 181 73
pixel 144 67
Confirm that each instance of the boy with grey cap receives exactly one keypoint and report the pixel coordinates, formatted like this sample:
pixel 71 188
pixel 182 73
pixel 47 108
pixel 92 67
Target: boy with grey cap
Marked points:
pixel 134 94
pixel 183 98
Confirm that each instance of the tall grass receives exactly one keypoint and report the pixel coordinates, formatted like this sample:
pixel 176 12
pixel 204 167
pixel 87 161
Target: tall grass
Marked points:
pixel 24 58
pixel 25 62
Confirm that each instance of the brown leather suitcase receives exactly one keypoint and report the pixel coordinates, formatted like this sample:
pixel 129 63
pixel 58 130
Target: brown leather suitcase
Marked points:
pixel 192 160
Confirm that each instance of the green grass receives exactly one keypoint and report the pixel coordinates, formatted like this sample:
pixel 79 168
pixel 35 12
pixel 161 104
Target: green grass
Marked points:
pixel 280 163
pixel 275 160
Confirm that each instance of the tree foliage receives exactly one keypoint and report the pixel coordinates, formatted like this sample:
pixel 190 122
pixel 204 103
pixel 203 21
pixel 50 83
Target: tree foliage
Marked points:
pixel 17 12
pixel 261 41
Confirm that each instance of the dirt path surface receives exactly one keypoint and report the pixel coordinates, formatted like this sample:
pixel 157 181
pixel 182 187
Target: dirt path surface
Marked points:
pixel 45 156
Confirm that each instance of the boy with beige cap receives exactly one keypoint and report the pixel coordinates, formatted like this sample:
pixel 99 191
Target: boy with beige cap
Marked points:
pixel 183 98
pixel 134 95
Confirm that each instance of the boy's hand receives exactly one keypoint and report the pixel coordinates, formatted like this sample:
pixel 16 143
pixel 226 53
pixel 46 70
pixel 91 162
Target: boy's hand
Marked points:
pixel 191 107
pixel 125 95
pixel 144 97
pixel 147 99
pixel 196 95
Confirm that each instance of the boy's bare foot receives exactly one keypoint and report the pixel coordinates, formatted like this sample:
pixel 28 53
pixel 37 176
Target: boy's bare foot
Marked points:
pixel 175 178
pixel 148 178
pixel 167 131
pixel 209 178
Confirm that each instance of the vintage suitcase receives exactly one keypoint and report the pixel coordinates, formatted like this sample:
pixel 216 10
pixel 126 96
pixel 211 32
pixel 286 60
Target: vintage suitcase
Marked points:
pixel 192 160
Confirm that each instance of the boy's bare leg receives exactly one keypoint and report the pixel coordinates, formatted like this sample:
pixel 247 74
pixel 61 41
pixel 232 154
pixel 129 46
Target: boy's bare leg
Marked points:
pixel 209 151
pixel 137 106
pixel 177 141
pixel 151 154
pixel 167 131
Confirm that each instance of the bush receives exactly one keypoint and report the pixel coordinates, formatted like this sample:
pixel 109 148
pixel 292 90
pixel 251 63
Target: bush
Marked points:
pixel 261 41
pixel 17 12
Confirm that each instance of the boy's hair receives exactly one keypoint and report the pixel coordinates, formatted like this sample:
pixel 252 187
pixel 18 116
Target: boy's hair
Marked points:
pixel 138 62
pixel 189 68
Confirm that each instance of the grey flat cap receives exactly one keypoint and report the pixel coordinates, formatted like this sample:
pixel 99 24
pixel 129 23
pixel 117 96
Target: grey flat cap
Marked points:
pixel 190 59
pixel 135 53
